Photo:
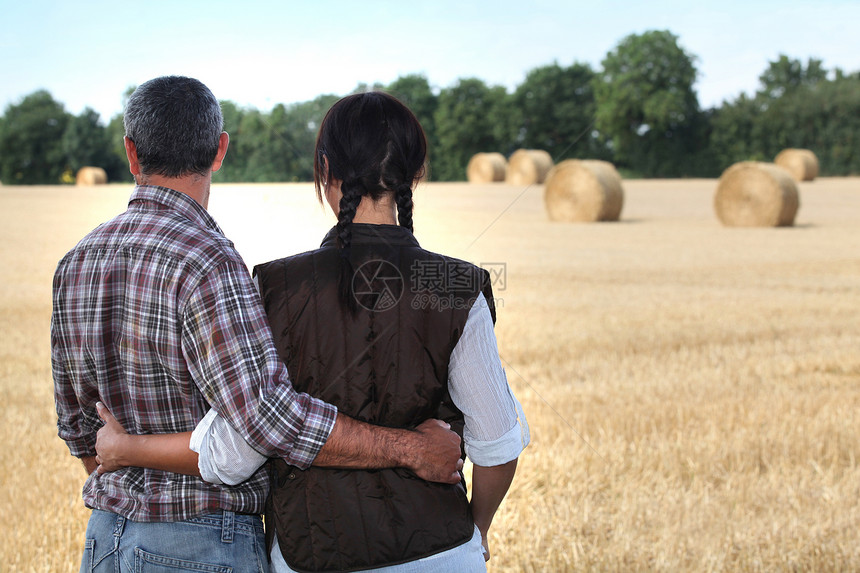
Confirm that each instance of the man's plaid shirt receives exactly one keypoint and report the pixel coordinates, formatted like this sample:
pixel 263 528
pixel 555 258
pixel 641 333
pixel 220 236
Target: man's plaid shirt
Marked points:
pixel 155 315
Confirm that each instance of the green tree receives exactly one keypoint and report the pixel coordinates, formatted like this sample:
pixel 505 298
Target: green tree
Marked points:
pixel 414 91
pixel 277 149
pixel 275 146
pixel 250 144
pixel 787 97
pixel 86 142
pixel 735 132
pixel 31 148
pixel 233 168
pixel 472 117
pixel 115 133
pixel 786 75
pixel 837 107
pixel 646 104
pixel 556 109
pixel 823 117
pixel 363 87
pixel 304 121
pixel 2 128
pixel 795 106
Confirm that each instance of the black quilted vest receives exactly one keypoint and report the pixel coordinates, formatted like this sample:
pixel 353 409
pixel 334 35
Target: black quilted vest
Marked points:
pixel 387 364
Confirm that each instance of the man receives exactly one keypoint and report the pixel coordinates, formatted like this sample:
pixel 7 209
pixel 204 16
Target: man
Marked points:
pixel 155 316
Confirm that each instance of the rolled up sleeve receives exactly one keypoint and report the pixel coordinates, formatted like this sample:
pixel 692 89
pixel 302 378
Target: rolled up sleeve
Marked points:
pixel 496 430
pixel 224 456
pixel 227 342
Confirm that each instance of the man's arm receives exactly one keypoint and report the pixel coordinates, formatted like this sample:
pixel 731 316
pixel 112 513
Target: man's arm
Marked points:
pixel 432 450
pixel 228 346
pixel 70 420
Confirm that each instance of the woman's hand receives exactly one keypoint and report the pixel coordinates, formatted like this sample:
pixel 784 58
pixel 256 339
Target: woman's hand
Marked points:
pixel 486 546
pixel 111 442
pixel 116 448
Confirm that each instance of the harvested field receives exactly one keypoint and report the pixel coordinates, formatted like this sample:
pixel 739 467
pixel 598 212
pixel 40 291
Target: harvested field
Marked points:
pixel 693 390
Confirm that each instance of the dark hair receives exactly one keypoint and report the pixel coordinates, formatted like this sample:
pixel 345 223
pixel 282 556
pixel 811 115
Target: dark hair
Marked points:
pixel 374 145
pixel 175 123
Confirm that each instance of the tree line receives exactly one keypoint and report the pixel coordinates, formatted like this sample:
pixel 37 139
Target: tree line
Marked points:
pixel 639 111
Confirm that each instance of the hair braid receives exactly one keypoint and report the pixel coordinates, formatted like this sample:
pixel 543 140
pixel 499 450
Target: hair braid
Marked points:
pixel 352 193
pixel 403 197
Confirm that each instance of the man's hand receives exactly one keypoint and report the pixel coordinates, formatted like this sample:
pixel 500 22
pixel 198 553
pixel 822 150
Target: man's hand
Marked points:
pixel 109 442
pixel 431 451
pixel 439 453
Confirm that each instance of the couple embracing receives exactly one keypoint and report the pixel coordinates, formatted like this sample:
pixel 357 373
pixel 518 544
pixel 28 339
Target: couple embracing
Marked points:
pixel 200 398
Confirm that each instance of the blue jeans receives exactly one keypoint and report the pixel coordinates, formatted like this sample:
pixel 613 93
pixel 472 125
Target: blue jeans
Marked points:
pixel 465 558
pixel 214 543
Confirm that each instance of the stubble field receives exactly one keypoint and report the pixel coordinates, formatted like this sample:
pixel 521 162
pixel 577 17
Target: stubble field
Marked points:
pixel 693 391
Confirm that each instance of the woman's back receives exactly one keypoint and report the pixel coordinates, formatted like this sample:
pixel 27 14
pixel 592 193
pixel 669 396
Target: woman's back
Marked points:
pixel 385 362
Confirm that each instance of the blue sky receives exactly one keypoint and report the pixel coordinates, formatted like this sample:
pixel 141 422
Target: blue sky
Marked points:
pixel 261 53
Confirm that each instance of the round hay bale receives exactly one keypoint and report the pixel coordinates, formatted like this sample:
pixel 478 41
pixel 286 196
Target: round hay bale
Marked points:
pixel 486 168
pixel 755 194
pixel 91 176
pixel 801 163
pixel 527 166
pixel 584 191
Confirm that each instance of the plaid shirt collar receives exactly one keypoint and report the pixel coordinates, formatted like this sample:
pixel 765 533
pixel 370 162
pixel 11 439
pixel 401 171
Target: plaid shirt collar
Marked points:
pixel 174 200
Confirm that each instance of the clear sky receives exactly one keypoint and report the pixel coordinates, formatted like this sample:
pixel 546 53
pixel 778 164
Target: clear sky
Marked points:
pixel 258 53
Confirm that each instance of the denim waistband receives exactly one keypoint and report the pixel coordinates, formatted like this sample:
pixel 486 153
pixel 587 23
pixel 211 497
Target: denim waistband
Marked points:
pixel 229 522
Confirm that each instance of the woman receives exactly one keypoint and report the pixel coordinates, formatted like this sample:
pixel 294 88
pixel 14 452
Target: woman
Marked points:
pixel 391 334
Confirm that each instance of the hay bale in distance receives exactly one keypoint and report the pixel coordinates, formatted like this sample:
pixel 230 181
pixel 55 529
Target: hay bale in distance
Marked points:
pixel 91 176
pixel 586 190
pixel 802 164
pixel 527 166
pixel 755 194
pixel 486 168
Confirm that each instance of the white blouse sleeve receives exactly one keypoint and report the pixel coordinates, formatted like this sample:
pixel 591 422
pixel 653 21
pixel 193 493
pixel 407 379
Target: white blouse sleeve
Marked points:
pixel 496 430
pixel 224 455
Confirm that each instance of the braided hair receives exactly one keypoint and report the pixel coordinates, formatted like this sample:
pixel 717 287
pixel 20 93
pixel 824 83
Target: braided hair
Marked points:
pixel 375 146
pixel 403 197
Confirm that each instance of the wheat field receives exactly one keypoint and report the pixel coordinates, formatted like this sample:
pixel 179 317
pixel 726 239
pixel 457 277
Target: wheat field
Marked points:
pixel 692 390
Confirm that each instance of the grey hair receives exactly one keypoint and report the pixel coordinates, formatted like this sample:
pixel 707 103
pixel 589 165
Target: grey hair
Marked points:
pixel 175 123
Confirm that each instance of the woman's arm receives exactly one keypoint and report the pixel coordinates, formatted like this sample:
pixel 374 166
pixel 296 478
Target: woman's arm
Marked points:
pixel 496 430
pixel 90 464
pixel 117 449
pixel 225 457
pixel 489 486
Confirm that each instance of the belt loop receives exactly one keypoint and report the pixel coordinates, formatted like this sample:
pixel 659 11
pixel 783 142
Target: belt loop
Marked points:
pixel 118 528
pixel 227 523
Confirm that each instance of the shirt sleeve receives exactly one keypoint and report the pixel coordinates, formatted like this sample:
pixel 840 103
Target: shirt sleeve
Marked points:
pixel 496 430
pixel 224 456
pixel 75 426
pixel 72 425
pixel 229 348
